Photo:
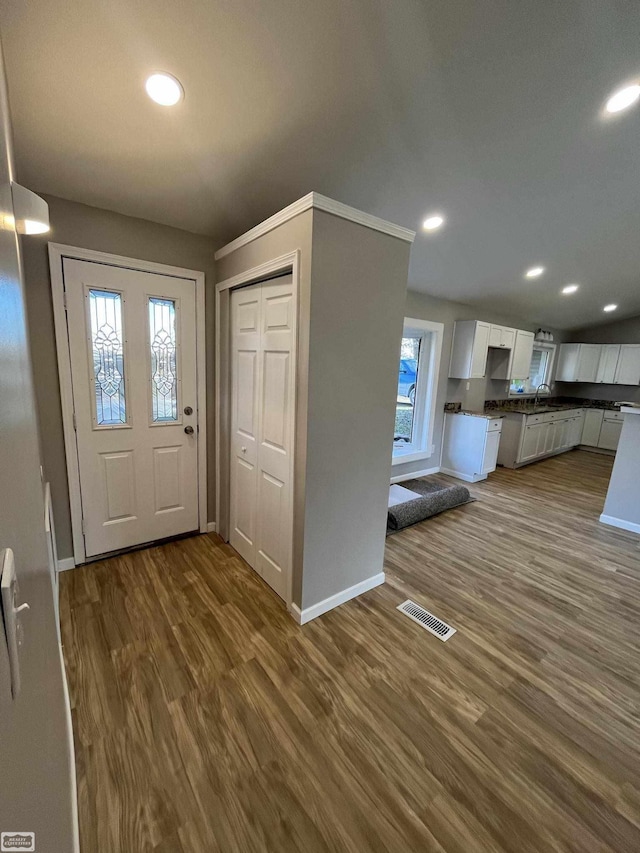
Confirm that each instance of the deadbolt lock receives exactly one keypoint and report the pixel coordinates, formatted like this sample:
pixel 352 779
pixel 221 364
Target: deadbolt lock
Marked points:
pixel 188 410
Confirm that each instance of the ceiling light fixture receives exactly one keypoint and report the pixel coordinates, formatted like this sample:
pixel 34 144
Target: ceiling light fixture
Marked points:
pixel 570 288
pixel 623 98
pixel 164 89
pixel 611 307
pixel 433 222
pixel 534 272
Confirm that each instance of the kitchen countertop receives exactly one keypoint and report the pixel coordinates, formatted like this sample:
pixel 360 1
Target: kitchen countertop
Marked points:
pixel 523 406
pixel 541 409
pixel 489 414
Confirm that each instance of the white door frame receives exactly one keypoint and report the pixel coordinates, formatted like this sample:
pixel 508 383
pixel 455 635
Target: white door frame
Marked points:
pixel 283 264
pixel 57 252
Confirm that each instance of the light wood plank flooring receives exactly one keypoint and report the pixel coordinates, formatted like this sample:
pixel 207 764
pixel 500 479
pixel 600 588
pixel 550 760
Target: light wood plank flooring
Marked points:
pixel 206 720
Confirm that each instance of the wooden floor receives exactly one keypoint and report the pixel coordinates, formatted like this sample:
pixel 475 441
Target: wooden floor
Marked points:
pixel 206 720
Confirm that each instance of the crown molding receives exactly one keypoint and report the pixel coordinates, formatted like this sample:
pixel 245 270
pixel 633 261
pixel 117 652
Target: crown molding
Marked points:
pixel 319 202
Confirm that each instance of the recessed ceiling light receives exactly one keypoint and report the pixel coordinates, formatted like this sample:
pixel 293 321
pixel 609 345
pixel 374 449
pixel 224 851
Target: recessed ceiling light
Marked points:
pixel 610 307
pixel 623 99
pixel 570 288
pixel 164 89
pixel 433 222
pixel 534 272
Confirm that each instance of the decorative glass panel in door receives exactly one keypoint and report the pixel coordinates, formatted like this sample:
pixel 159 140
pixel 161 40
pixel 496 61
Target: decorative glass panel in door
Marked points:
pixel 164 376
pixel 107 345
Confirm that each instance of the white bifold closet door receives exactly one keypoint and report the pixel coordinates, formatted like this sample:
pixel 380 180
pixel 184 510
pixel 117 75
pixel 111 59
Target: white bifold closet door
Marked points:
pixel 262 399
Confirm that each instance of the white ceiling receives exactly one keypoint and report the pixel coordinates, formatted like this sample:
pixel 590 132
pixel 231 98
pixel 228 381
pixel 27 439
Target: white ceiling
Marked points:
pixel 488 110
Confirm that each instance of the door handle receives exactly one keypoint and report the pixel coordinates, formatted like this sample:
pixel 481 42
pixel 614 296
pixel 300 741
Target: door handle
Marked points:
pixel 188 430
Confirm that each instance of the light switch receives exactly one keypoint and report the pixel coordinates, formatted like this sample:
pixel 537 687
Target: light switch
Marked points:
pixel 11 611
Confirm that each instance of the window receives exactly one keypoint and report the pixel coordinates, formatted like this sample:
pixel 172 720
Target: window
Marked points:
pixel 162 343
pixel 539 373
pixel 107 349
pixel 417 388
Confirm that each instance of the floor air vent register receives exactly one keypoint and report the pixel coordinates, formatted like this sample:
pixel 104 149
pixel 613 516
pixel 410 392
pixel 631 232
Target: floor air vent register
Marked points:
pixel 434 625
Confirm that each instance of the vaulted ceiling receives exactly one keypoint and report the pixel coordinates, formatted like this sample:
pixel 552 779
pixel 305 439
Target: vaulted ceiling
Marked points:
pixel 487 110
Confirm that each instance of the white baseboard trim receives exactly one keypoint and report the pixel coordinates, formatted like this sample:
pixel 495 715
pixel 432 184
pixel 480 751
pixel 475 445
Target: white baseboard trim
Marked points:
pixel 612 521
pixel 412 476
pixel 468 478
pixel 309 613
pixel 73 792
pixel 211 527
pixel 65 564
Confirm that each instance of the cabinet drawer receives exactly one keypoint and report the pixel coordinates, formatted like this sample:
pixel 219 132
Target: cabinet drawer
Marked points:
pixel 494 425
pixel 613 416
pixel 535 419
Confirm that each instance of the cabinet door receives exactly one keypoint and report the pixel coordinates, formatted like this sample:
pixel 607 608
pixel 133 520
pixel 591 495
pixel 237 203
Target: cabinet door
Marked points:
pixel 549 438
pixel 568 363
pixel 522 353
pixel 574 431
pixel 591 427
pixel 480 350
pixel 560 437
pixel 608 363
pixel 508 339
pixel 495 336
pixel 491 446
pixel 610 434
pixel 588 360
pixel 628 369
pixel 530 442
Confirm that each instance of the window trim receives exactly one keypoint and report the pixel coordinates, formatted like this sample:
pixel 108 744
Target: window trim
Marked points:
pixel 422 446
pixel 549 372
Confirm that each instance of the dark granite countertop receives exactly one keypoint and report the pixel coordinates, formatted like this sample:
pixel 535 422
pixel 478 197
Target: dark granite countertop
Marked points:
pixel 515 405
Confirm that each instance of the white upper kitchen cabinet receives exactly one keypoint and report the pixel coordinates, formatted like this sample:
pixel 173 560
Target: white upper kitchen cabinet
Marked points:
pixel 502 337
pixel 578 362
pixel 520 367
pixel 608 363
pixel 628 366
pixel 469 349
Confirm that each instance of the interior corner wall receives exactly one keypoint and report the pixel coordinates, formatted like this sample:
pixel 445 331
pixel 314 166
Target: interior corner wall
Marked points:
pixel 292 235
pixel 87 227
pixel 425 307
pixel 358 285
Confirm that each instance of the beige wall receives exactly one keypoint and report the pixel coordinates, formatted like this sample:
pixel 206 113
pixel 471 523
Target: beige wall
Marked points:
pixel 92 228
pixel 358 286
pixel 424 307
pixel 35 772
pixel 352 288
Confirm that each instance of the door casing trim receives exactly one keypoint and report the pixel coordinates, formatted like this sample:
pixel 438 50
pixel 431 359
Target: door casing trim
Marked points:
pixel 57 252
pixel 282 264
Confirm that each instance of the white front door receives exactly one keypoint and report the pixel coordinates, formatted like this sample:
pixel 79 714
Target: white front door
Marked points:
pixel 132 346
pixel 262 400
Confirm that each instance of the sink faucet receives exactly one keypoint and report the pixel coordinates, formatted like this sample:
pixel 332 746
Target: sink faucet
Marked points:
pixel 537 397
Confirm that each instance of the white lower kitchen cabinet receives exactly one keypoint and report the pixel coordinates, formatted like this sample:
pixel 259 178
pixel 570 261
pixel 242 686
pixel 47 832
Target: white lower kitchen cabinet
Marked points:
pixel 527 438
pixel 602 428
pixel 592 426
pixel 471 445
